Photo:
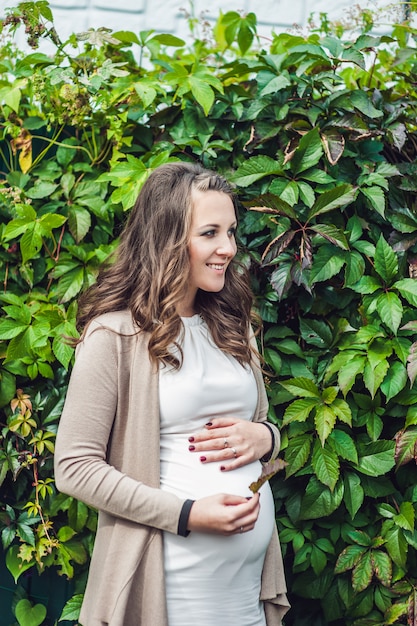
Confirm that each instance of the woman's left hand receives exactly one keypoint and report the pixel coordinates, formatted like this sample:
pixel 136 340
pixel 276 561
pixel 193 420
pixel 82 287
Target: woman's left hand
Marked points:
pixel 232 441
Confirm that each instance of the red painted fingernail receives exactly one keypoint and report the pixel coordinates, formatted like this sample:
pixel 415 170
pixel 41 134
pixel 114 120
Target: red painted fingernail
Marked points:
pixel 222 468
pixel 191 448
pixel 190 438
pixel 202 459
pixel 209 424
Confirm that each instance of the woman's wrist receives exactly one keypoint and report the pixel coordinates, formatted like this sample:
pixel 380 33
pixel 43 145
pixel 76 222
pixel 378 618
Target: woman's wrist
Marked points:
pixel 183 519
pixel 267 457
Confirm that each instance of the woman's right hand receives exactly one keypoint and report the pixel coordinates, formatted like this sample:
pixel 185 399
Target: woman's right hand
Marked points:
pixel 224 514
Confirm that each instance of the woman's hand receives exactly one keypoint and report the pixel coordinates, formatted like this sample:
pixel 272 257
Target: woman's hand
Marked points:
pixel 224 514
pixel 233 442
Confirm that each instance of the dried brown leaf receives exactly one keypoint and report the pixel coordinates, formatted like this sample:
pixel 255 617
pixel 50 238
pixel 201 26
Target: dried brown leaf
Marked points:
pixel 268 470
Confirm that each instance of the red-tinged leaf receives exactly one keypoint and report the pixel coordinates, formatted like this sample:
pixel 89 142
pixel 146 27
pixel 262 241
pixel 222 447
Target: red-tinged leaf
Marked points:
pixel 360 537
pixel 412 608
pixel 362 573
pixel 333 144
pixel 268 470
pixel 382 566
pixel 276 246
pixel 271 203
pixel 405 446
pixel 348 558
pixel 412 363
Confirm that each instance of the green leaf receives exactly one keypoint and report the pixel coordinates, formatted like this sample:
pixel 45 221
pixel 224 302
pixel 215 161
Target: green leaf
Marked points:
pixel 390 310
pixel 308 152
pixel 373 376
pixel 386 263
pixel 254 169
pixel 376 198
pixel 7 387
pixel 303 387
pixel 79 222
pixel 31 242
pixel 355 268
pixel 367 284
pixel 362 102
pixel 202 92
pixel 70 284
pixel 275 84
pixel 166 39
pixel 396 545
pixel 324 419
pixel 326 465
pixel 306 193
pixel 319 501
pixel 146 92
pixel 41 189
pixel 72 608
pixel 344 445
pixel 273 359
pixel 11 97
pixel 347 373
pixel 11 328
pixel 28 615
pixel 406 517
pixel 14 564
pixel 297 453
pixel 334 198
pixel 299 410
pixel 327 262
pixel 316 333
pixel 408 289
pixel 354 495
pixel 376 458
pixel 395 380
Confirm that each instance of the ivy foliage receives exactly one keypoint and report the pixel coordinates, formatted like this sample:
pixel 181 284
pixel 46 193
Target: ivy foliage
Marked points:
pixel 318 133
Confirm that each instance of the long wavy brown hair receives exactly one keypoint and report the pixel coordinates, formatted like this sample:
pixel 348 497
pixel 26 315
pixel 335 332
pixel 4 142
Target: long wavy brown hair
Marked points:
pixel 151 268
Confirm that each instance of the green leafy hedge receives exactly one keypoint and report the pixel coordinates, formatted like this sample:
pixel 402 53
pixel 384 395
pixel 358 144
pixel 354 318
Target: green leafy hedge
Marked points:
pixel 318 133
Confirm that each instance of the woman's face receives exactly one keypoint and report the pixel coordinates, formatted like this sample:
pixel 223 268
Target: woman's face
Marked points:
pixel 212 243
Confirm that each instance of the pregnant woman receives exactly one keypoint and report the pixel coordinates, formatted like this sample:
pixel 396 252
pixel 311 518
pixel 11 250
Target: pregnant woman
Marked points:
pixel 164 425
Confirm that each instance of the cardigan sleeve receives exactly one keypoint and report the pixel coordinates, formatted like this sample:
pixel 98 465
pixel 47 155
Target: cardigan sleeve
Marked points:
pixel 82 469
pixel 263 405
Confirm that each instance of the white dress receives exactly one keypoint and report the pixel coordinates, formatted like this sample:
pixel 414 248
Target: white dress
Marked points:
pixel 211 580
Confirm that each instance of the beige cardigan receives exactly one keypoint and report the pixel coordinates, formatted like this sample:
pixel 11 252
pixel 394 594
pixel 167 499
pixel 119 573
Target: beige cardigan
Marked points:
pixel 107 455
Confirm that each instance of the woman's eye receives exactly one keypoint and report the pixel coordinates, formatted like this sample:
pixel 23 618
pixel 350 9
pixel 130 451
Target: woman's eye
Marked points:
pixel 209 233
pixel 232 232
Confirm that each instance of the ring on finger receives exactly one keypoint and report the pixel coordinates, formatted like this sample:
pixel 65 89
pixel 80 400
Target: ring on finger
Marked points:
pixel 234 452
pixel 241 529
pixel 226 443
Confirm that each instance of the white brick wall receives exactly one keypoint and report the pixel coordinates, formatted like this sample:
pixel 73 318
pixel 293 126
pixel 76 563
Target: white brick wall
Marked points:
pixel 169 15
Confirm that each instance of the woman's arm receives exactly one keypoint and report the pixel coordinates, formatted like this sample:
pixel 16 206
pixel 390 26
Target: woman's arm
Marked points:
pixel 82 469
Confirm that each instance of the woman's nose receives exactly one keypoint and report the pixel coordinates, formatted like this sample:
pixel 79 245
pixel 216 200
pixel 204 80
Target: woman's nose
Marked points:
pixel 227 247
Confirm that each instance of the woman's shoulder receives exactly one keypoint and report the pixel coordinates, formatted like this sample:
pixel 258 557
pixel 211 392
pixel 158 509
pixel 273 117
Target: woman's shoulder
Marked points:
pixel 119 322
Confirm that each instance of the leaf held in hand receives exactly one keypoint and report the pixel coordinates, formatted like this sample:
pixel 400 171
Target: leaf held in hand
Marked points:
pixel 268 470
